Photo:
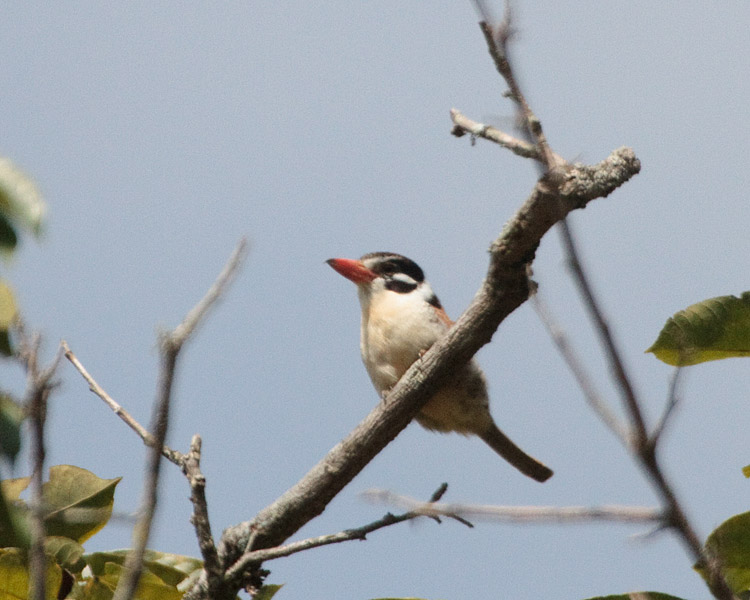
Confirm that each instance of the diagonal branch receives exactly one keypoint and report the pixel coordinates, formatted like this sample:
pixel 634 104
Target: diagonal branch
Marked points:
pixel 613 354
pixel 357 533
pixel 639 443
pixel 171 455
pixel 594 399
pixel 503 290
pixel 39 385
pixel 463 125
pixel 171 344
pixel 673 399
pixel 497 38
pixel 521 514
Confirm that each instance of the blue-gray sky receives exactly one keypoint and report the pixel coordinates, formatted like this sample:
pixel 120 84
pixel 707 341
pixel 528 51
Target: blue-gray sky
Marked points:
pixel 160 133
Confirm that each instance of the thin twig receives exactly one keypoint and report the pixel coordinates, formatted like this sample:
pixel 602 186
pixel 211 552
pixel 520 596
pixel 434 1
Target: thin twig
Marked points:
pixel 594 399
pixel 463 125
pixel 215 292
pixel 171 344
pixel 497 37
pixel 38 388
pixel 358 533
pixel 673 399
pixel 640 444
pixel 192 469
pixel 133 566
pixel 520 514
pixel 172 455
pixel 613 354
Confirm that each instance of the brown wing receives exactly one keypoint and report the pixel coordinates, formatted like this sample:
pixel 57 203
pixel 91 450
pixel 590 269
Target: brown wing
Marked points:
pixel 443 316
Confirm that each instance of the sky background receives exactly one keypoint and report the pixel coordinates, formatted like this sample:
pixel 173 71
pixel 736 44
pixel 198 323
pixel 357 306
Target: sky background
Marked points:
pixel 160 133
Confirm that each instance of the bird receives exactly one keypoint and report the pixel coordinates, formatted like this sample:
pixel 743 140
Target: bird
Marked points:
pixel 401 318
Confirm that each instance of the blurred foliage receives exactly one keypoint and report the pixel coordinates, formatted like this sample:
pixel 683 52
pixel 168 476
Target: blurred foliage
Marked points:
pixel 729 544
pixel 76 505
pixel 21 205
pixel 637 596
pixel 11 417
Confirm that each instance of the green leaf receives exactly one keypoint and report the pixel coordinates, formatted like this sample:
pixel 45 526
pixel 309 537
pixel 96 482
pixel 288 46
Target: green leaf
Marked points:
pixel 8 237
pixel 638 596
pixel 21 203
pixel 746 471
pixel 65 552
pixel 150 587
pixel 164 575
pixel 12 488
pixel 79 502
pixel 14 528
pixel 11 417
pixel 91 589
pixel 14 576
pixel 710 330
pixel 173 570
pixel 8 316
pixel 730 544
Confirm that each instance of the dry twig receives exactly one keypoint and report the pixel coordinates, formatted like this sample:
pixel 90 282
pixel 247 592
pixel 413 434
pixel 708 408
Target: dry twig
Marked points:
pixel 637 439
pixel 519 514
pixel 357 533
pixel 594 399
pixel 640 443
pixel 39 385
pixel 463 125
pixel 171 344
pixel 148 439
pixel 563 189
pixel 192 469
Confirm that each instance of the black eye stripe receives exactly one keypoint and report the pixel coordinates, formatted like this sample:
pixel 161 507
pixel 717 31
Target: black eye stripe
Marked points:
pixel 402 287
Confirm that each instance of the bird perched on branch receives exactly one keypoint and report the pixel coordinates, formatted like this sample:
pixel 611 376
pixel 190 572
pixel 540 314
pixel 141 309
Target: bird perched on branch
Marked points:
pixel 401 319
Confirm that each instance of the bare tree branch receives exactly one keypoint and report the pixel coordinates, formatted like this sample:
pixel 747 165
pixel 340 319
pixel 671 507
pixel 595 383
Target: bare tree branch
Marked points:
pixel 594 399
pixel 463 125
pixel 643 448
pixel 520 514
pixel 613 354
pixel 39 384
pixel 497 37
pixel 172 455
pixel 673 399
pixel 171 344
pixel 198 313
pixel 504 289
pixel 357 533
pixel 192 469
pixel 562 189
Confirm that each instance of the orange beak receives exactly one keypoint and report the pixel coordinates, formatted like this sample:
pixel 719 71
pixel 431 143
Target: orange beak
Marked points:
pixel 353 270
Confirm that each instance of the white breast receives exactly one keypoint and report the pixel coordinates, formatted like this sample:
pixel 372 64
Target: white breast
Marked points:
pixel 396 330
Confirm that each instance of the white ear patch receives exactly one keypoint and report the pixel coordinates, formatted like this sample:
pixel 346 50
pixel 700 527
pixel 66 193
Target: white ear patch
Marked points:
pixel 404 278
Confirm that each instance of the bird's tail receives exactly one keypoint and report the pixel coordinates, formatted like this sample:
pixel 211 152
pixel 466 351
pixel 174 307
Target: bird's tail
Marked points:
pixel 505 447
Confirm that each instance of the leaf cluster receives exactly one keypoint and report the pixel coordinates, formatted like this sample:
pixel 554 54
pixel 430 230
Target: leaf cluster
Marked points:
pixel 76 504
